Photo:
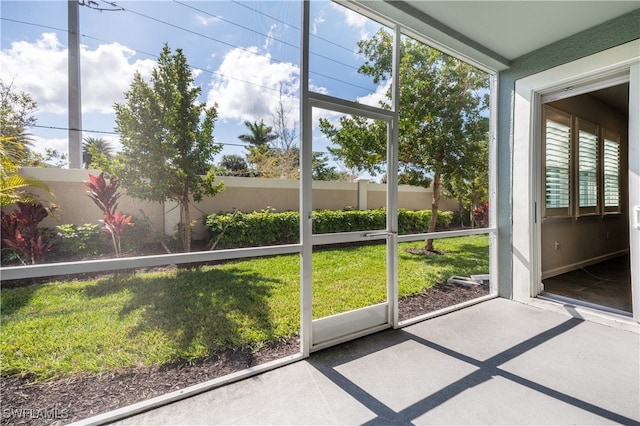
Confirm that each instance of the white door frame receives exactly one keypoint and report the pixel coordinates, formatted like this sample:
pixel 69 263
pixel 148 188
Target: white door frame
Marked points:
pixel 528 99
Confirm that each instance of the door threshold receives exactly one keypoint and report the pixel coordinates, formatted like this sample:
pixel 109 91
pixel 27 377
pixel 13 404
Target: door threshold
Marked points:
pixel 586 311
pixel 582 303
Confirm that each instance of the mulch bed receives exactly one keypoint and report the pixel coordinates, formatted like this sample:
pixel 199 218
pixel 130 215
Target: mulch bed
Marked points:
pixel 66 400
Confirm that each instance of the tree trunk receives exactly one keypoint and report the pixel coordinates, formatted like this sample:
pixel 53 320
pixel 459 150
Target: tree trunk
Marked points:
pixel 186 235
pixel 434 210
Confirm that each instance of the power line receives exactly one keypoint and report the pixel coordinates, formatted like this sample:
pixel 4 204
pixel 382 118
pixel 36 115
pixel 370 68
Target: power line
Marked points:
pixel 262 34
pixel 67 129
pixel 154 56
pixel 236 24
pixel 64 30
pixel 210 38
pixel 116 133
pixel 196 33
pixel 294 27
pixel 239 47
pixel 105 132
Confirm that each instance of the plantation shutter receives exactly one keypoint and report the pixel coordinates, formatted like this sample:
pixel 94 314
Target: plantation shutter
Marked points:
pixel 587 167
pixel 557 155
pixel 611 171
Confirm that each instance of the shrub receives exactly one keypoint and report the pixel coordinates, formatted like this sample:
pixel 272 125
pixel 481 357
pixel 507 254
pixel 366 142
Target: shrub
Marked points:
pixel 20 232
pixel 138 234
pixel 80 241
pixel 89 240
pixel 268 228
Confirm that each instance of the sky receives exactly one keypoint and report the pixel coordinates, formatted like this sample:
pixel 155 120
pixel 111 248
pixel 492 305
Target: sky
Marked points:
pixel 241 53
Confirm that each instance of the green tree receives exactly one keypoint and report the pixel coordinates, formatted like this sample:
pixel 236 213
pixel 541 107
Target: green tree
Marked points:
pixel 261 154
pixel 94 146
pixel 442 123
pixel 471 186
pixel 167 139
pixel 16 114
pixel 277 156
pixel 259 134
pixel 321 170
pixel 234 165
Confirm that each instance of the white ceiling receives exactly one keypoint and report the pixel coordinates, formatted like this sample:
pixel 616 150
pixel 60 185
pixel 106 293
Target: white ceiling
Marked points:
pixel 496 32
pixel 514 28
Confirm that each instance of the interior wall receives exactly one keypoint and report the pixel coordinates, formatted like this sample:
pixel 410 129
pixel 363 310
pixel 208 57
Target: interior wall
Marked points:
pixel 588 239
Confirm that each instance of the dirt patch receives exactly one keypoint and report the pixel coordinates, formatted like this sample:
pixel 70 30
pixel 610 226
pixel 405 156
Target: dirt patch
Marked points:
pixel 421 251
pixel 438 297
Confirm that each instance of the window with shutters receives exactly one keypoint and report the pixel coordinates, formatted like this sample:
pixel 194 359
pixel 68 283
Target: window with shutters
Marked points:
pixel 581 167
pixel 611 171
pixel 587 167
pixel 557 162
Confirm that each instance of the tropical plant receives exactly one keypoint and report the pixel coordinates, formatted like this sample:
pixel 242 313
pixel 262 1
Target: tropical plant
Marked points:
pixel 167 139
pixel 13 186
pixel 106 196
pixel 16 114
pixel 94 146
pixel 20 231
pixel 259 134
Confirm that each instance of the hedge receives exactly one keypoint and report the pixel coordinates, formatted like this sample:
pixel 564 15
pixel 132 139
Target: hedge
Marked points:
pixel 267 228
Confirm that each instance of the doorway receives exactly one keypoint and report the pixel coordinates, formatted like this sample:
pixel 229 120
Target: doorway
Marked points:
pixel 361 282
pixel 581 76
pixel 585 196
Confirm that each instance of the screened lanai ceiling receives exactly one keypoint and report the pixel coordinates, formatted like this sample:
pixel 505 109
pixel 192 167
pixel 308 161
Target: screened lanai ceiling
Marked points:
pixel 496 32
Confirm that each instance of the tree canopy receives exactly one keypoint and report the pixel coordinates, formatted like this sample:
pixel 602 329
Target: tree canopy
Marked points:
pixel 94 147
pixel 442 125
pixel 259 134
pixel 16 114
pixel 167 139
pixel 234 165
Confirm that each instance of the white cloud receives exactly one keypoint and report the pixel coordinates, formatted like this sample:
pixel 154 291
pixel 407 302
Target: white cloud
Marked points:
pixel 248 88
pixel 353 19
pixel 40 69
pixel 374 99
pixel 206 20
pixel 268 41
pixel 41 143
pixel 106 74
pixel 320 19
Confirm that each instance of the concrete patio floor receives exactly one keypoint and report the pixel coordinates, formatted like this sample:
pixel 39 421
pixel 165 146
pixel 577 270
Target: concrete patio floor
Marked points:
pixel 498 362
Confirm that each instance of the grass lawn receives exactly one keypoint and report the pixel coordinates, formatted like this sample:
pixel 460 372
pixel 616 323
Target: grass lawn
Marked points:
pixel 62 328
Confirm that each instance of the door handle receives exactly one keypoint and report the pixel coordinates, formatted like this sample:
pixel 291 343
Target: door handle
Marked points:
pixel 375 234
pixel 636 217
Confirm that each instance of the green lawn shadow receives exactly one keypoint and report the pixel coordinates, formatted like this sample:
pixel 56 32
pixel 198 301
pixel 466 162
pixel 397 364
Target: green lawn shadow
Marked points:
pixel 198 308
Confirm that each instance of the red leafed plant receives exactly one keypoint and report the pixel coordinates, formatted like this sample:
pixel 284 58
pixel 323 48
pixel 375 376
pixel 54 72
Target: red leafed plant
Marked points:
pixel 481 215
pixel 20 231
pixel 106 195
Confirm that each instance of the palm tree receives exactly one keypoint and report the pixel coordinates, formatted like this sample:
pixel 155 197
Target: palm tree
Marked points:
pixel 260 135
pixel 92 146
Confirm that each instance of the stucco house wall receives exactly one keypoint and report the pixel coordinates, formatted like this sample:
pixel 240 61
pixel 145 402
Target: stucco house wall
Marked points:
pixel 597 39
pixel 244 194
